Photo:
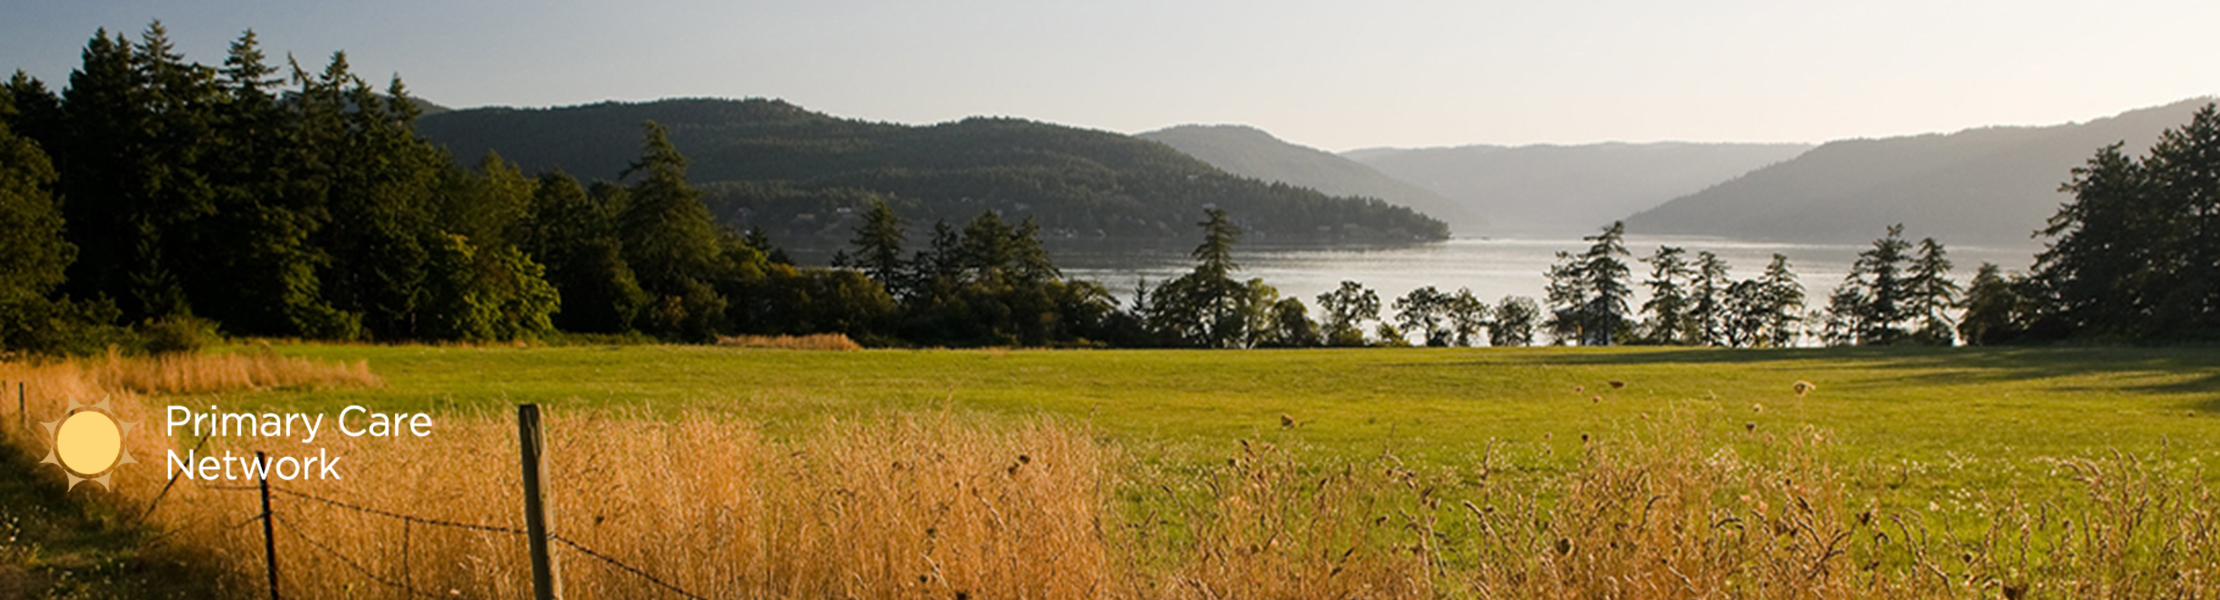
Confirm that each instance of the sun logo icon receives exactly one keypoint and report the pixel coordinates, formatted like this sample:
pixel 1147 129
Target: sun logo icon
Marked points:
pixel 88 443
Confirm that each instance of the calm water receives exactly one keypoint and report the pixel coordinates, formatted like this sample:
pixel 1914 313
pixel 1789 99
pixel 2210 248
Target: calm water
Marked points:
pixel 1492 268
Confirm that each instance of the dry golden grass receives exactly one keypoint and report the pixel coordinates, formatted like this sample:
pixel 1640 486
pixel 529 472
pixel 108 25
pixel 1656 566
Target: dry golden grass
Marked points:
pixel 939 506
pixel 125 381
pixel 206 373
pixel 819 341
pixel 902 508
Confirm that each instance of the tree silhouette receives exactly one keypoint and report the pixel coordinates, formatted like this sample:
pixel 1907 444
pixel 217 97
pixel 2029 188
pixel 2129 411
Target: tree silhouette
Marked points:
pixel 1672 320
pixel 2136 253
pixel 1347 309
pixel 1589 291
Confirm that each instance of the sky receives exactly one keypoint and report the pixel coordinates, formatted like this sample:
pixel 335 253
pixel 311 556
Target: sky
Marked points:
pixel 1333 75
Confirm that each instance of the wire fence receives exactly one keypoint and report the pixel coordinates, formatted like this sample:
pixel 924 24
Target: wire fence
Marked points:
pixel 409 523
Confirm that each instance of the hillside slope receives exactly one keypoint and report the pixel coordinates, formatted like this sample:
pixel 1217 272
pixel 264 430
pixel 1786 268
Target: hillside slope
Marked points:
pixel 1990 186
pixel 1548 190
pixel 802 175
pixel 1252 152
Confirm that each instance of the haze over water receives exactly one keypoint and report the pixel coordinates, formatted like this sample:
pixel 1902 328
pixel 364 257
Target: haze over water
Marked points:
pixel 1492 268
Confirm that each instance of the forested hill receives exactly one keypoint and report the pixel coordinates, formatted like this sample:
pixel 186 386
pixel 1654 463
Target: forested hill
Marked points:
pixel 1252 152
pixel 804 176
pixel 1990 186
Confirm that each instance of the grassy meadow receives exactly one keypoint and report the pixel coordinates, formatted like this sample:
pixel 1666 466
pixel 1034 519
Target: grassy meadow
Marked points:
pixel 1388 473
pixel 1935 407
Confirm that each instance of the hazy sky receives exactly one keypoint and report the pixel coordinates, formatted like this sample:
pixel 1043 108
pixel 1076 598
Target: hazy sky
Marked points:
pixel 1336 75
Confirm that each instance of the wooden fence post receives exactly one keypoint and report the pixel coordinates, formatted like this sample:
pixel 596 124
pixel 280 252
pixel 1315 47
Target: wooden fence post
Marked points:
pixel 545 584
pixel 269 529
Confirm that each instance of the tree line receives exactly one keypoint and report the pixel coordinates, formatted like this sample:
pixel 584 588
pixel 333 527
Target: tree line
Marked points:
pixel 158 199
pixel 154 200
pixel 1892 296
pixel 2132 257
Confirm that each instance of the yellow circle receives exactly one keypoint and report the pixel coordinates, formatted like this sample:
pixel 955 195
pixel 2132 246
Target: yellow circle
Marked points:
pixel 88 442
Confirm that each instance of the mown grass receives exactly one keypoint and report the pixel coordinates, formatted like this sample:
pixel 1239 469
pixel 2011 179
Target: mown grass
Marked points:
pixel 1980 413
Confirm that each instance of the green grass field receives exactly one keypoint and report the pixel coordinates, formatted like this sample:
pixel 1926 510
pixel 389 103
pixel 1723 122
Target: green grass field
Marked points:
pixel 1941 432
pixel 1964 416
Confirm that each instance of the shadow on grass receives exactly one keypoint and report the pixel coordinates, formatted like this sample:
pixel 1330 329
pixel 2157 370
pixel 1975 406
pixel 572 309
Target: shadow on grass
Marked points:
pixel 2194 370
pixel 57 543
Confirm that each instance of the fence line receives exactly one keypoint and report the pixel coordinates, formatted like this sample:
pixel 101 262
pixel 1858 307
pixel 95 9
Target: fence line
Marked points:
pixel 618 564
pixel 399 516
pixel 351 563
pixel 408 520
pixel 269 517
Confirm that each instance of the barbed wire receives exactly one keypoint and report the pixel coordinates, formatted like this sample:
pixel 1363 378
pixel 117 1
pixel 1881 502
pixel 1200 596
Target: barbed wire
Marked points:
pixel 407 519
pixel 402 517
pixel 351 563
pixel 629 568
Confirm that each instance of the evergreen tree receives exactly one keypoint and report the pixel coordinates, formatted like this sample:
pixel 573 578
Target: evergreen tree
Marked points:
pixel 1568 297
pixel 670 242
pixel 380 193
pixel 2184 167
pixel 1214 257
pixel 878 244
pixel 989 251
pixel 1747 314
pixel 1709 300
pixel 260 271
pixel 669 236
pixel 1029 260
pixel 574 234
pixel 1589 291
pixel 1846 315
pixel 2133 254
pixel 104 122
pixel 1783 304
pixel 1671 313
pixel 941 262
pixel 1884 292
pixel 1207 307
pixel 172 192
pixel 37 111
pixel 760 239
pixel 1930 294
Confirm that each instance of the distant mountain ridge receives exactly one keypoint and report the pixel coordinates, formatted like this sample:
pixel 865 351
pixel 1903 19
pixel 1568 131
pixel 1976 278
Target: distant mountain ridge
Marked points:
pixel 802 174
pixel 1251 152
pixel 1552 190
pixel 1991 186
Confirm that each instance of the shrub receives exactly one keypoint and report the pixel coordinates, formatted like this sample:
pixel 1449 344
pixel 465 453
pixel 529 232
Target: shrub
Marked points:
pixel 177 334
